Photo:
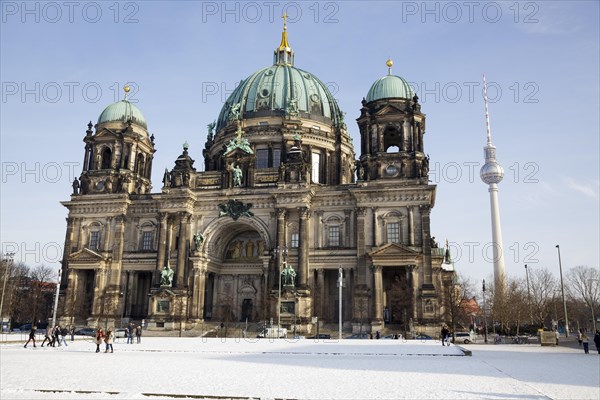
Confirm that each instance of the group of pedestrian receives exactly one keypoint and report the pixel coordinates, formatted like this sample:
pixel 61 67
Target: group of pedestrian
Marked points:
pixel 583 340
pixel 107 337
pixel 132 330
pixel 54 336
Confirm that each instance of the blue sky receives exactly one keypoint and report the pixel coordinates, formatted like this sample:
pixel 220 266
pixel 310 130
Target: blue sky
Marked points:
pixel 62 63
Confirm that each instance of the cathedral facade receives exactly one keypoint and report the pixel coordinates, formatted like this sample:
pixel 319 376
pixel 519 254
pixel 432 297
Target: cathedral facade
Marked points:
pixel 283 204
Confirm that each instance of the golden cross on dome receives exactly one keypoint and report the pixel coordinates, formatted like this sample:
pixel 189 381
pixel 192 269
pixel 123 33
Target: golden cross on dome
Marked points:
pixel 285 17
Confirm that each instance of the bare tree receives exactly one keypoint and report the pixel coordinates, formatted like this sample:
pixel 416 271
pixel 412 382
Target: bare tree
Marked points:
pixel 516 308
pixel 40 292
pixel 542 286
pixel 584 285
pixel 457 293
pixel 15 274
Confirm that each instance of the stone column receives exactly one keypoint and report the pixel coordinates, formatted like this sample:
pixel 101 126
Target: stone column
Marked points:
pixel 71 283
pixel 411 227
pixel 182 249
pixel 67 251
pixel 347 228
pixel 378 295
pixel 107 237
pixel 117 250
pixel 197 311
pixel 361 245
pixel 132 156
pixel 406 134
pixel 380 132
pixel 321 293
pixel 427 268
pixel 318 229
pixel 162 248
pixel 304 247
pixel 276 270
pixel 374 238
pixel 86 158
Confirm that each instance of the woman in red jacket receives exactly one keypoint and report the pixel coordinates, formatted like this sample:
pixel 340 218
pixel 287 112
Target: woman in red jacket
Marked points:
pixel 98 339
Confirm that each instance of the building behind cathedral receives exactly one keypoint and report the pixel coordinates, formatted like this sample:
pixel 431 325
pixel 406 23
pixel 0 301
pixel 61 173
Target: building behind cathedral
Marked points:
pixel 282 203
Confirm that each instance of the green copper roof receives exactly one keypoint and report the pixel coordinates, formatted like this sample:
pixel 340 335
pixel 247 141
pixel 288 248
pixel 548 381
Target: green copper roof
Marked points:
pixel 280 89
pixel 123 111
pixel 388 87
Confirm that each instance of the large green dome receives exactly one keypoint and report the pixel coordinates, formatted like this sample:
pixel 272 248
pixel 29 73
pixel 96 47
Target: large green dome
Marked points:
pixel 272 90
pixel 390 87
pixel 279 90
pixel 123 111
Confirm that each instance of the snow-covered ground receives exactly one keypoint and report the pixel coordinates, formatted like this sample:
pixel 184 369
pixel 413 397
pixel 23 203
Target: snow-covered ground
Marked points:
pixel 297 369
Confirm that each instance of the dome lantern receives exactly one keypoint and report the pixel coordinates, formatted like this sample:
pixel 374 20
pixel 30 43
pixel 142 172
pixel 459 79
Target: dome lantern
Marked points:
pixel 284 55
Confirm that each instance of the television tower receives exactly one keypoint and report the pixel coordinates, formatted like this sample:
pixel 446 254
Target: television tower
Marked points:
pixel 492 173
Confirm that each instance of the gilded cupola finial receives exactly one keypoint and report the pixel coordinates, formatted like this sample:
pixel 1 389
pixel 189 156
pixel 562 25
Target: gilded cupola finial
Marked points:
pixel 284 38
pixel 126 89
pixel 389 64
pixel 284 53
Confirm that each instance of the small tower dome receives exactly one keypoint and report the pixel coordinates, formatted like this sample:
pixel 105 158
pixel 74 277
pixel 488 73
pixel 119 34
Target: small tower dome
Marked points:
pixel 123 111
pixel 390 87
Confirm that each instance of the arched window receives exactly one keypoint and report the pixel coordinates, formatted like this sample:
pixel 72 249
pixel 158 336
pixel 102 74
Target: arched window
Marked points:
pixel 106 158
pixel 139 164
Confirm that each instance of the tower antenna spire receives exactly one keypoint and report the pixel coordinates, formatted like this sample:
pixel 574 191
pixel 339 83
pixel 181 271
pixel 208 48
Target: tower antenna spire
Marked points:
pixel 487 112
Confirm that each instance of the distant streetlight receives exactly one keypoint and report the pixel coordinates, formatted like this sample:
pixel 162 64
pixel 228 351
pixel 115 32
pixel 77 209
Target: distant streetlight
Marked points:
pixel 56 299
pixel 592 304
pixel 562 288
pixel 484 316
pixel 528 294
pixel 9 261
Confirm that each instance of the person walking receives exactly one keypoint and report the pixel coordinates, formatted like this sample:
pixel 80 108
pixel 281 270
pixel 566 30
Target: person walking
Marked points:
pixel 579 337
pixel 63 332
pixel 47 337
pixel 597 340
pixel 72 332
pixel 586 343
pixel 55 336
pixel 130 333
pixel 31 336
pixel 98 339
pixel 444 335
pixel 108 339
pixel 138 334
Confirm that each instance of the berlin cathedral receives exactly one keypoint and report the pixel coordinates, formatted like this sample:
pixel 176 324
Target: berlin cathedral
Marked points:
pixel 281 207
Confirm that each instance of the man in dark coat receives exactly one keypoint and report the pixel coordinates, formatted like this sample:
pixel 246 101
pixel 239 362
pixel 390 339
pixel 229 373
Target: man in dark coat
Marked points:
pixel 31 336
pixel 445 333
pixel 597 340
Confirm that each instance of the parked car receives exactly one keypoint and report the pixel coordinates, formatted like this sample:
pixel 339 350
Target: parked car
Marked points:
pixel 321 336
pixel 120 333
pixel 85 332
pixel 422 336
pixel 464 337
pixel 392 336
pixel 358 336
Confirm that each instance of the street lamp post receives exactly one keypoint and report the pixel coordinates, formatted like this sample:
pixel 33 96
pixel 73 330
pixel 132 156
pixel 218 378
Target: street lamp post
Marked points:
pixel 592 305
pixel 484 316
pixel 9 262
pixel 528 294
pixel 56 299
pixel 562 289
